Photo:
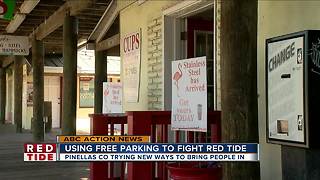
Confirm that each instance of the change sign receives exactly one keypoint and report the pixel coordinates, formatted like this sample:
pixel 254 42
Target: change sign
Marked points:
pixel 189 95
pixel 285 89
pixel 14 45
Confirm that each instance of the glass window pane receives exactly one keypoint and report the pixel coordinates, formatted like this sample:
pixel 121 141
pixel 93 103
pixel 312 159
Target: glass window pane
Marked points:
pixel 200 44
pixel 210 46
pixel 210 97
pixel 210 72
pixel 204 47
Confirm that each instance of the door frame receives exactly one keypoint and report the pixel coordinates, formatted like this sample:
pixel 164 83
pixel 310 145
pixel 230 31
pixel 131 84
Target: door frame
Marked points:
pixel 174 23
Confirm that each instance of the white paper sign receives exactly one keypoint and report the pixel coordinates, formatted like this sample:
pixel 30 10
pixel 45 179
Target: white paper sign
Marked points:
pixel 285 89
pixel 131 44
pixel 14 45
pixel 112 97
pixel 189 95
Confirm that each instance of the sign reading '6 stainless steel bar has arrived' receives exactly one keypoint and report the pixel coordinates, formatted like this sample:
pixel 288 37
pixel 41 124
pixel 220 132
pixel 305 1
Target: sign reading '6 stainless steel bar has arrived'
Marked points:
pixel 189 95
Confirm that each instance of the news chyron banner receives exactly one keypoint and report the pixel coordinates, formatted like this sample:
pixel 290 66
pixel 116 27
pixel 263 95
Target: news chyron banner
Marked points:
pixel 136 148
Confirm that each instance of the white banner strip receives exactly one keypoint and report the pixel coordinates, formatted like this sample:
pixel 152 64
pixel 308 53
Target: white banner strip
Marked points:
pixel 159 157
pixel 40 156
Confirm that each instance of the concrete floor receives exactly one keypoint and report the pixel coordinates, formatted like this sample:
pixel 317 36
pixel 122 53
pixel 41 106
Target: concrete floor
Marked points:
pixel 12 165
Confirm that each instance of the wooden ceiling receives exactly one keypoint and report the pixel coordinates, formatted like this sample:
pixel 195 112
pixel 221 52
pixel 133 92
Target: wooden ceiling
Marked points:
pixel 88 18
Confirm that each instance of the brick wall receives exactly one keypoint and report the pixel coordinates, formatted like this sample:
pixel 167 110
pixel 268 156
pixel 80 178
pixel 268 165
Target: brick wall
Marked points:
pixel 218 56
pixel 155 67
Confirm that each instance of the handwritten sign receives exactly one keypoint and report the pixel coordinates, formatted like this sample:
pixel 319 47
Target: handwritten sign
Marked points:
pixel 112 101
pixel 86 93
pixel 189 95
pixel 14 45
pixel 131 44
pixel 112 97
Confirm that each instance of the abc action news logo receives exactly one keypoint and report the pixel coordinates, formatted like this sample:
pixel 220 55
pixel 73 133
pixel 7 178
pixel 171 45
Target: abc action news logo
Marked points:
pixel 48 152
pixel 136 148
pixel 40 152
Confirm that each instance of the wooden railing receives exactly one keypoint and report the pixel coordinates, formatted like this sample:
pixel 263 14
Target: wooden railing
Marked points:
pixel 151 123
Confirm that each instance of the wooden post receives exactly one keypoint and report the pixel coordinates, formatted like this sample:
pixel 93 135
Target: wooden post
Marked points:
pixel 2 95
pixel 18 81
pixel 99 78
pixel 300 163
pixel 38 89
pixel 239 82
pixel 70 31
pixel 139 123
pixel 98 126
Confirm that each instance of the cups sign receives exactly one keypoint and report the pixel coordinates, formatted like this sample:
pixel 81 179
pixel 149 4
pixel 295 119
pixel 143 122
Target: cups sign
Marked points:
pixel 131 43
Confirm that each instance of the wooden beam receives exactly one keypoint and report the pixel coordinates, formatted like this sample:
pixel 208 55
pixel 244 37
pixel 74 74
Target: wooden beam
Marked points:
pixel 107 19
pixel 51 24
pixel 56 19
pixel 99 77
pixel 7 61
pixel 108 43
pixel 2 95
pixel 38 89
pixel 85 18
pixel 17 80
pixel 77 6
pixel 92 13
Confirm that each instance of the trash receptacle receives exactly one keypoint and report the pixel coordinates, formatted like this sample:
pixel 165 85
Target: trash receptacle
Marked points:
pixel 190 171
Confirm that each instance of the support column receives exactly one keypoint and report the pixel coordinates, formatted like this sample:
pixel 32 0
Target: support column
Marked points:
pixel 18 82
pixel 300 163
pixel 2 95
pixel 99 77
pixel 239 82
pixel 38 89
pixel 70 31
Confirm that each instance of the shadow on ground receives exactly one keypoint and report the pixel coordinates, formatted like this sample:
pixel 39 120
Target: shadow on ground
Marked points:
pixel 12 165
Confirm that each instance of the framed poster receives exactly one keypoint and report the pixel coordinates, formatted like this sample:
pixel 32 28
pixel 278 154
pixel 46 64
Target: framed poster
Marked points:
pixel 131 50
pixel 112 97
pixel 189 95
pixel 86 92
pixel 292 88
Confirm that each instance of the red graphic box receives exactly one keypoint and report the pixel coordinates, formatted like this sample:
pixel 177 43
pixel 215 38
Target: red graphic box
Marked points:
pixel 40 152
